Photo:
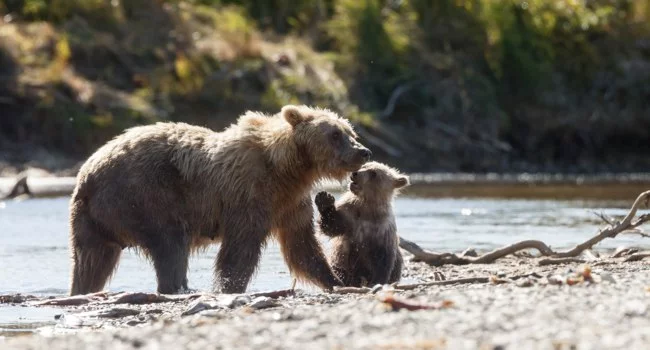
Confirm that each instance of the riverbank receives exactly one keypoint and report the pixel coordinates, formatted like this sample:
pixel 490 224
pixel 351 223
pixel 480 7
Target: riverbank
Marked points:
pixel 523 305
pixel 40 183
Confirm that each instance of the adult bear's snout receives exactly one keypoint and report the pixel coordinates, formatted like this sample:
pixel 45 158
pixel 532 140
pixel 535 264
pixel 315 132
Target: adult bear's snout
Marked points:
pixel 365 154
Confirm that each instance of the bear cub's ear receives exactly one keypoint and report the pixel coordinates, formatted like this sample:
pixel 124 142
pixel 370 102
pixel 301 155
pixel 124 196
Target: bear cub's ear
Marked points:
pixel 401 181
pixel 292 115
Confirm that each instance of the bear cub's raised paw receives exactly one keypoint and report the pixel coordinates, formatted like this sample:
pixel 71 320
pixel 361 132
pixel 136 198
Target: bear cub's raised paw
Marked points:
pixel 324 201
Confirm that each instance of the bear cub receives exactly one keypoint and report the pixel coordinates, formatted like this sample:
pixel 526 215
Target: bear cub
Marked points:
pixel 365 245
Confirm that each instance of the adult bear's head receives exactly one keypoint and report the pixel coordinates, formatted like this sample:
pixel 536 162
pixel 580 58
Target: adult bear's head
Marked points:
pixel 327 140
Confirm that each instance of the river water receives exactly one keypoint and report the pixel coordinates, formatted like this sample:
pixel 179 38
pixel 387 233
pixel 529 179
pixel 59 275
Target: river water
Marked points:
pixel 34 256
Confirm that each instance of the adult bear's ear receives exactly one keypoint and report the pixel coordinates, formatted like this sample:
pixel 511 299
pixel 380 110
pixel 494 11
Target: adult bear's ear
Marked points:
pixel 292 115
pixel 401 181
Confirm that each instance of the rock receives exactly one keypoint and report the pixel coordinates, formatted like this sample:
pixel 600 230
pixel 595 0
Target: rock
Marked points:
pixel 135 322
pixel 589 255
pixel 605 276
pixel 526 282
pixel 220 302
pixel 635 308
pixel 201 305
pixel 262 303
pixel 233 301
pixel 439 276
pixel 72 321
pixel 15 298
pixel 471 252
pixel 556 280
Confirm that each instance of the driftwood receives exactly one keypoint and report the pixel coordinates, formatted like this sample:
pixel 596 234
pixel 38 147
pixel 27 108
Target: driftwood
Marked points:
pixel 110 313
pixel 142 298
pixel 442 283
pixel 399 303
pixel 19 188
pixel 75 300
pixel 274 294
pixel 130 298
pixel 554 261
pixel 351 290
pixel 629 223
pixel 411 286
pixel 36 187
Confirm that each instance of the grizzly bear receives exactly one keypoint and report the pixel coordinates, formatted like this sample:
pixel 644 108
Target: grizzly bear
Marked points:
pixel 169 189
pixel 365 245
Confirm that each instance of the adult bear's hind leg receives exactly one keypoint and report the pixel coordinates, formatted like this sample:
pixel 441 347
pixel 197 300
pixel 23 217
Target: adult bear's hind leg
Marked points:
pixel 93 257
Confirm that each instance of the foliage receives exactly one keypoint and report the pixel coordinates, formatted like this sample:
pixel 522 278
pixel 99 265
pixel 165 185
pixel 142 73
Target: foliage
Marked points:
pixel 372 46
pixel 489 68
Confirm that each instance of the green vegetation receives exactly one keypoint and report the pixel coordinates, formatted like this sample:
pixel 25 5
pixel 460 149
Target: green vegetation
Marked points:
pixel 483 84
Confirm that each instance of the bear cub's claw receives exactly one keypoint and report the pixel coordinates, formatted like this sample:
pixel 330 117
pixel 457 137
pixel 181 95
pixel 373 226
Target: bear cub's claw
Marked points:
pixel 324 200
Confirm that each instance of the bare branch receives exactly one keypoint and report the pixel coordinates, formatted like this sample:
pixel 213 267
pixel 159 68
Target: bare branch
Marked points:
pixel 443 283
pixel 641 220
pixel 392 101
pixel 636 231
pixel 377 142
pixel 449 258
pixel 274 294
pixel 638 256
pixel 614 229
pixel 604 217
pixel 555 261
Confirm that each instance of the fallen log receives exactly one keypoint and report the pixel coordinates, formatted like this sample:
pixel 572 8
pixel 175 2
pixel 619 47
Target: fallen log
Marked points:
pixel 37 187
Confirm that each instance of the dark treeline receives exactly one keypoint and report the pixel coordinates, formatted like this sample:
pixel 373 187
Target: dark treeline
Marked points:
pixel 432 85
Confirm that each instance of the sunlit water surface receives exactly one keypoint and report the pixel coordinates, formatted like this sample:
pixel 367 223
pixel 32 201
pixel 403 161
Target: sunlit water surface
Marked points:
pixel 34 257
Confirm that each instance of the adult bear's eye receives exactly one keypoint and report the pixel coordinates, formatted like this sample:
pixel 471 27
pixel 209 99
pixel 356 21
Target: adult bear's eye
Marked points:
pixel 336 135
pixel 373 174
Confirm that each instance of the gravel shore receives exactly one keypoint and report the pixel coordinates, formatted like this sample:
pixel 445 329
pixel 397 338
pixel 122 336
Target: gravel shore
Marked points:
pixel 546 309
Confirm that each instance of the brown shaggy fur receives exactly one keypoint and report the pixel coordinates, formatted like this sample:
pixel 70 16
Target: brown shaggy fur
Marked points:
pixel 366 245
pixel 171 188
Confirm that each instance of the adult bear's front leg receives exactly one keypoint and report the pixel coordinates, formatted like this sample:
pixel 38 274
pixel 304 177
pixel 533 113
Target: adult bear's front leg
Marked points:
pixel 244 237
pixel 301 249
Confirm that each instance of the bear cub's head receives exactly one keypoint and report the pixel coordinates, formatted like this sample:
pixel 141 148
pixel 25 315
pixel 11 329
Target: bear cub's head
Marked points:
pixel 327 140
pixel 377 180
